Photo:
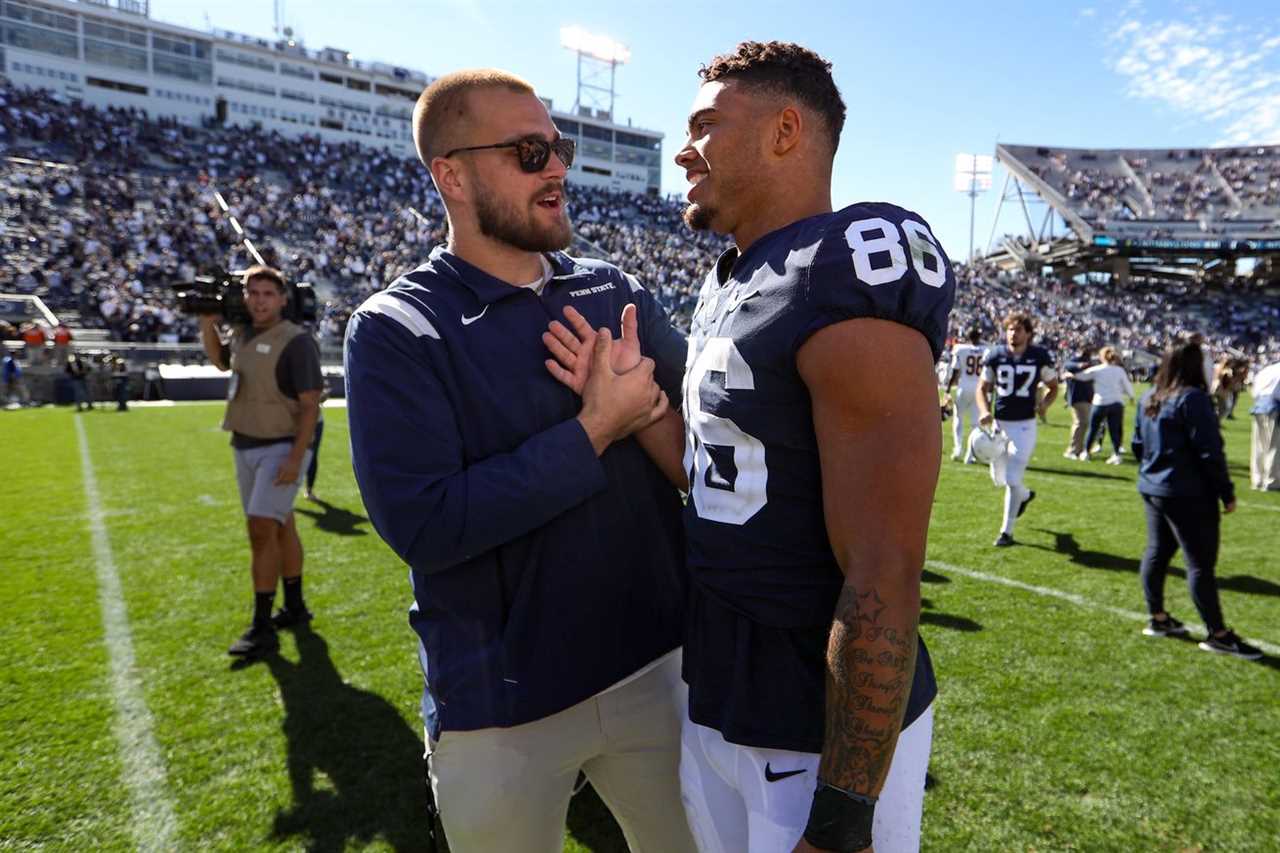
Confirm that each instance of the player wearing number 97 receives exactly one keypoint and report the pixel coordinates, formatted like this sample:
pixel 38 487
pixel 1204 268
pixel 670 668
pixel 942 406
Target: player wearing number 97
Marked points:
pixel 812 447
pixel 1014 371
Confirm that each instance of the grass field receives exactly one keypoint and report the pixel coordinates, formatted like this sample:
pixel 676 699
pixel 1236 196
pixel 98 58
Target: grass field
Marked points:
pixel 1058 726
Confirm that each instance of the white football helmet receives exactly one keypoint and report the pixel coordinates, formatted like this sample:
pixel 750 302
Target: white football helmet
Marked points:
pixel 988 447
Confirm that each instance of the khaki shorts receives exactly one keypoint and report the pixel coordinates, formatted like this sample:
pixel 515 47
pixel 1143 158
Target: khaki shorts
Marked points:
pixel 256 474
pixel 508 789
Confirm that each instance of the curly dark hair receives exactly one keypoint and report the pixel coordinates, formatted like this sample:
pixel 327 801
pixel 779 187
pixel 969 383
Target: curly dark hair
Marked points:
pixel 786 69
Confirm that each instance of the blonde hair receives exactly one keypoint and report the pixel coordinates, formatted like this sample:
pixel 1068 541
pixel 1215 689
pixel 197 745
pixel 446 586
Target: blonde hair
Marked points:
pixel 442 107
pixel 1109 355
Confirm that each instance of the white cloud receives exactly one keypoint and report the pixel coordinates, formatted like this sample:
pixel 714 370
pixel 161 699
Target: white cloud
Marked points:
pixel 1206 66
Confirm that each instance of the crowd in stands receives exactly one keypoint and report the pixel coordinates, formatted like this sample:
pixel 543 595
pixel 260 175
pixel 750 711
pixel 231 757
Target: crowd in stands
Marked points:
pixel 1071 316
pixel 106 209
pixel 1188 185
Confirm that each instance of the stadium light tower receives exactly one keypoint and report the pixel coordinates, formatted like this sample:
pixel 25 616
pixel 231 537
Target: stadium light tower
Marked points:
pixel 973 178
pixel 597 54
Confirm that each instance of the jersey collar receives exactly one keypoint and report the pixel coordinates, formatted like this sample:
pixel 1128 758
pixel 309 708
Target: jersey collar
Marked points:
pixel 489 289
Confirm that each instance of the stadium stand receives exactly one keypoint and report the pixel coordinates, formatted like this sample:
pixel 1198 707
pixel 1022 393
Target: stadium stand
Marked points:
pixel 103 209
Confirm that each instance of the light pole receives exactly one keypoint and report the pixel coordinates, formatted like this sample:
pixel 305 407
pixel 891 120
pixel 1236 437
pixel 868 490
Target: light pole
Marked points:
pixel 973 178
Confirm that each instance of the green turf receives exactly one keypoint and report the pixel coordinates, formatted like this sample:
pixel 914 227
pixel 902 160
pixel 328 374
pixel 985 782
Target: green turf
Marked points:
pixel 1058 727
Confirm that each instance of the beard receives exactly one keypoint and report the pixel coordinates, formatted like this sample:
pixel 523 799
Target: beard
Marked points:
pixel 504 223
pixel 698 217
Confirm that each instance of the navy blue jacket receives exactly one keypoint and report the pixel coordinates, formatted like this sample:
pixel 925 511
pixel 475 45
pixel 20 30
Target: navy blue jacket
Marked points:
pixel 541 574
pixel 1179 451
pixel 1079 390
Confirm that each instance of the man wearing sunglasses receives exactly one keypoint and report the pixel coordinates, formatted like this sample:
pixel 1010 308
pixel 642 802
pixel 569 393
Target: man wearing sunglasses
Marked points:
pixel 544 543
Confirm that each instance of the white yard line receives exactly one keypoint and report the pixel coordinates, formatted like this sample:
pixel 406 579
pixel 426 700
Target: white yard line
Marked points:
pixel 1078 600
pixel 153 823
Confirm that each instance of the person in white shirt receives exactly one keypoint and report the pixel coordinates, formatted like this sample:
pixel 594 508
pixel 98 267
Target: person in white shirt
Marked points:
pixel 1264 456
pixel 1111 387
pixel 965 372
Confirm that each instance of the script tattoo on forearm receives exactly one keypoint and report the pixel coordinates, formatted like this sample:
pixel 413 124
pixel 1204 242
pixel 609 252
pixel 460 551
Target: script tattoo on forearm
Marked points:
pixel 871 658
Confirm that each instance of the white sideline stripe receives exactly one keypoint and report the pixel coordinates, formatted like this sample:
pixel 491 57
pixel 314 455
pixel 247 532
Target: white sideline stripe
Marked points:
pixel 153 821
pixel 1078 600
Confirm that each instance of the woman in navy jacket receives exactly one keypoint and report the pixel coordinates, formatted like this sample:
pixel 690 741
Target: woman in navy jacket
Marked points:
pixel 1182 475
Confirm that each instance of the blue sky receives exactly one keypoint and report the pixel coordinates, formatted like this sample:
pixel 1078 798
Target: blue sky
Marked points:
pixel 922 81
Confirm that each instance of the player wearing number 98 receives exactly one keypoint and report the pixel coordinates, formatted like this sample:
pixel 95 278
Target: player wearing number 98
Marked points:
pixel 1014 371
pixel 812 448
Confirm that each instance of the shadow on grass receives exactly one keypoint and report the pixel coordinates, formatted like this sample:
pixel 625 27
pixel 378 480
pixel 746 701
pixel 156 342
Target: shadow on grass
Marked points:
pixel 335 519
pixel 927 576
pixel 1080 472
pixel 928 616
pixel 1065 543
pixel 355 766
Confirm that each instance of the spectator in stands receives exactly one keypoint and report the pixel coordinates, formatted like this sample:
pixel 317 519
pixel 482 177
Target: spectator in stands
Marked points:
pixel 1079 400
pixel 61 343
pixel 1182 476
pixel 78 373
pixel 1264 456
pixel 1111 387
pixel 34 337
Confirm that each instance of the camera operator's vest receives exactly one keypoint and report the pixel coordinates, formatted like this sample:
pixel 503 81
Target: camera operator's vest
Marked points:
pixel 256 406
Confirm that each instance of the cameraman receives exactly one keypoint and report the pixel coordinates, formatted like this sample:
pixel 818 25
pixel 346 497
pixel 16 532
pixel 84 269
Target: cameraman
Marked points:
pixel 273 402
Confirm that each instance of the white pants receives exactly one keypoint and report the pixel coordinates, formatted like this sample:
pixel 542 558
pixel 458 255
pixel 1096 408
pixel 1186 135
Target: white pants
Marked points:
pixel 733 808
pixel 1011 468
pixel 965 418
pixel 1008 470
pixel 1264 456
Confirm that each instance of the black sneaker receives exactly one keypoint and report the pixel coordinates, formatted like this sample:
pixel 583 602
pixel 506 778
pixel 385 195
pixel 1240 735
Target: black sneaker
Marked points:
pixel 1168 627
pixel 1022 507
pixel 1230 644
pixel 258 640
pixel 1004 541
pixel 288 618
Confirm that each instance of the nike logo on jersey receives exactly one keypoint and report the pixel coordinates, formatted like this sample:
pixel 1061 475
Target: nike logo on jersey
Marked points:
pixel 467 321
pixel 770 776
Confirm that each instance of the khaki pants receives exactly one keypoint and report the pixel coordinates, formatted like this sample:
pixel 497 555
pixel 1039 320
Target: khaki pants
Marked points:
pixel 509 789
pixel 1079 426
pixel 1264 460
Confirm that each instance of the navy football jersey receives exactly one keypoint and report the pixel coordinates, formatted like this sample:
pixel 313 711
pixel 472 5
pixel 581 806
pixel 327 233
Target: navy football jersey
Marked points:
pixel 766 579
pixel 1015 378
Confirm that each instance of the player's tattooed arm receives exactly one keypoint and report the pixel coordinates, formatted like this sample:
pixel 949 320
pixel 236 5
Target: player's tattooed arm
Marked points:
pixel 875 415
pixel 871 658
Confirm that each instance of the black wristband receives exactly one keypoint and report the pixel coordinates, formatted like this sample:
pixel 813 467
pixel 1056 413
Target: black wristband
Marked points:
pixel 839 820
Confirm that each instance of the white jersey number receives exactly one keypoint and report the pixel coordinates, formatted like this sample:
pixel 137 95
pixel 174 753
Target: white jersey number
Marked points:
pixel 1007 376
pixel 732 499
pixel 919 241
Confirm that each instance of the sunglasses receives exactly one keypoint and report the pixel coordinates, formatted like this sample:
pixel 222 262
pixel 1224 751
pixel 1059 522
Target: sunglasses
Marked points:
pixel 533 151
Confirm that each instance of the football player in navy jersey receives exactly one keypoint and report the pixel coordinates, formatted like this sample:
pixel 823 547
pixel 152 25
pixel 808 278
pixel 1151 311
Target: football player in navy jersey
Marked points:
pixel 811 450
pixel 1013 372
